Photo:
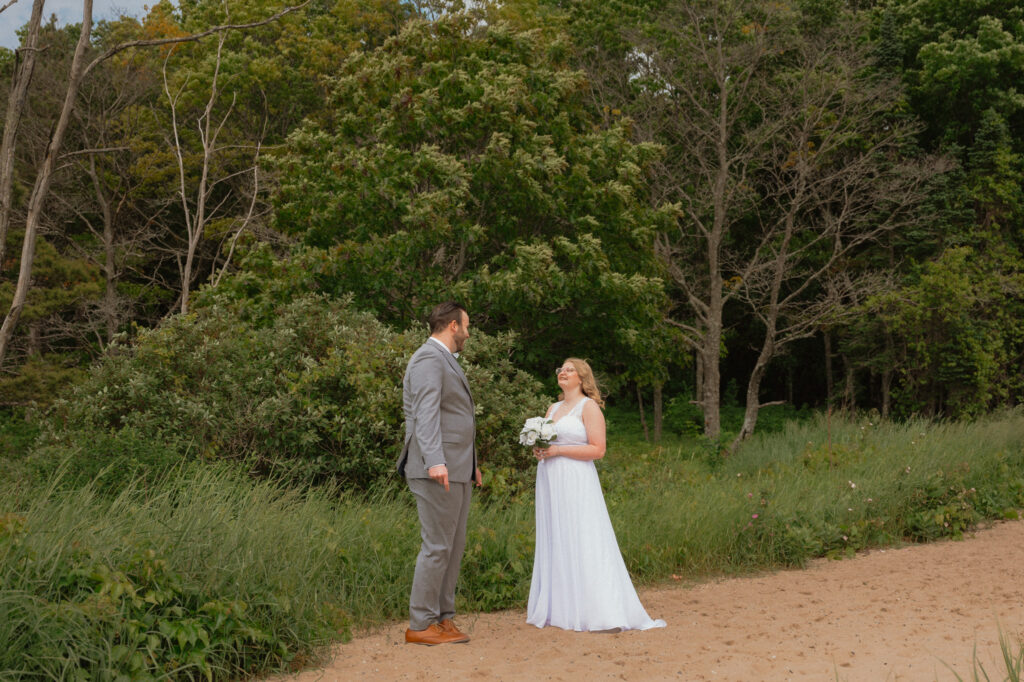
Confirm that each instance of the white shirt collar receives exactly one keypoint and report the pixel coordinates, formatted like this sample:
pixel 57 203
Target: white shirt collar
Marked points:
pixel 441 343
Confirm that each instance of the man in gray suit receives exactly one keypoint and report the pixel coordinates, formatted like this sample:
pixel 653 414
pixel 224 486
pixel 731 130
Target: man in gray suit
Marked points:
pixel 439 463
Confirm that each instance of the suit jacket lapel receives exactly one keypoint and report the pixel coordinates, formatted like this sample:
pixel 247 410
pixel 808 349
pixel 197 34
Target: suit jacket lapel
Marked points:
pixel 458 369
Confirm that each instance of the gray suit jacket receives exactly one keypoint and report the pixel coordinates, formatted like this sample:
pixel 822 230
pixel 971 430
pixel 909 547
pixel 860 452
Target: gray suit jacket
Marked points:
pixel 440 424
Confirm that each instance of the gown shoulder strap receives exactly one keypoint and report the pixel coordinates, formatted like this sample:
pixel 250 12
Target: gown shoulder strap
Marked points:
pixel 577 411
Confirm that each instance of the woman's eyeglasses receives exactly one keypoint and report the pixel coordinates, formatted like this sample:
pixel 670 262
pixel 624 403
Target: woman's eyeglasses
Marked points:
pixel 567 370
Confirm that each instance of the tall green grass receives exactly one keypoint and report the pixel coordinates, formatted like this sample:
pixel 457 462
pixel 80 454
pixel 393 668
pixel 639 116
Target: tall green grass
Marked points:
pixel 208 574
pixel 815 489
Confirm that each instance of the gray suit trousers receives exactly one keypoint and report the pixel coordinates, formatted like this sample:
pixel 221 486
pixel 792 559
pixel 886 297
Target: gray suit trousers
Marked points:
pixel 443 532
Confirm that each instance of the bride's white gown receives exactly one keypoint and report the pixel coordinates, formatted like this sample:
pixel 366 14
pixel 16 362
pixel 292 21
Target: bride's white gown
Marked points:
pixel 580 581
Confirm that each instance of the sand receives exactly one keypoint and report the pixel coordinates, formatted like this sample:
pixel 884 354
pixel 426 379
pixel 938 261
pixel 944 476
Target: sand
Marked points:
pixel 912 613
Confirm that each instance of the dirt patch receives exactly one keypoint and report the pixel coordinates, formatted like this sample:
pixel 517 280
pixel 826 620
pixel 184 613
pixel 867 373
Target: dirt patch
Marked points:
pixel 895 614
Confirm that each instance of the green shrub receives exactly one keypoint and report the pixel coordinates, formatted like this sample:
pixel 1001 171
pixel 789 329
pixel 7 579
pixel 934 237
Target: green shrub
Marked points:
pixel 309 390
pixel 39 380
pixel 16 434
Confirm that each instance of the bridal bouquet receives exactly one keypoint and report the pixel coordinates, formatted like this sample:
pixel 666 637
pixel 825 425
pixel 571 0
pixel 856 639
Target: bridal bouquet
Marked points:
pixel 538 432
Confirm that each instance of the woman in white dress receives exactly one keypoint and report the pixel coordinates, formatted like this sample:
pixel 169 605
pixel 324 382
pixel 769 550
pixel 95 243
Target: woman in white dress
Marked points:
pixel 580 581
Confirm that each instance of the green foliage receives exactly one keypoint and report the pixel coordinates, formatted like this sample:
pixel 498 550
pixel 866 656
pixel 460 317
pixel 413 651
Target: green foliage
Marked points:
pixel 960 328
pixel 62 288
pixel 40 380
pixel 16 433
pixel 197 579
pixel 686 419
pixel 962 59
pixel 854 485
pixel 206 573
pixel 463 159
pixel 307 389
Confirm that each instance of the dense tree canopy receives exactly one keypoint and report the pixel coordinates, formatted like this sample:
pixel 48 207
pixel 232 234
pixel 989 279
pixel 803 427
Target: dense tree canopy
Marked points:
pixel 538 159
pixel 462 160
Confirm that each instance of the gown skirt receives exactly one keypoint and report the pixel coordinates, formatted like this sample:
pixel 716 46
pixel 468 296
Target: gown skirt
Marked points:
pixel 580 581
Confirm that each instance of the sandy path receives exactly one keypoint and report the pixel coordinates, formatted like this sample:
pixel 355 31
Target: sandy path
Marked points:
pixel 897 614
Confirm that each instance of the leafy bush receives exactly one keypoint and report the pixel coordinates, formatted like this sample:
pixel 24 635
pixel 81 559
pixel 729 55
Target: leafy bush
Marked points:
pixel 310 390
pixel 38 380
pixel 16 434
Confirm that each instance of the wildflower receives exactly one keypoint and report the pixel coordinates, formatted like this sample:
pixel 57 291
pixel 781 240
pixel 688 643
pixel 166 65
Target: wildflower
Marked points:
pixel 753 516
pixel 750 496
pixel 907 470
pixel 845 538
pixel 852 484
pixel 870 500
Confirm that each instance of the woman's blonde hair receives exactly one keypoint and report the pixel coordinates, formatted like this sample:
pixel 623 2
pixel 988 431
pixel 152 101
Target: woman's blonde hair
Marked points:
pixel 588 383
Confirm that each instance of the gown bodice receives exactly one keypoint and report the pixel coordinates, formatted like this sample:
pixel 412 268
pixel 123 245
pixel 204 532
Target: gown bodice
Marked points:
pixel 570 428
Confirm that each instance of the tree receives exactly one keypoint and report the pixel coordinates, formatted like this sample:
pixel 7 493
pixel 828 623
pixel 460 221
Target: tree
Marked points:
pixel 25 58
pixel 42 183
pixel 80 66
pixel 462 158
pixel 961 60
pixel 958 326
pixel 785 161
pixel 960 63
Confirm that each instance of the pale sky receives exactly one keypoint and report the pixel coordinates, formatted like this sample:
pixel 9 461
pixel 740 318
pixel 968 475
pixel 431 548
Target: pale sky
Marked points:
pixel 67 11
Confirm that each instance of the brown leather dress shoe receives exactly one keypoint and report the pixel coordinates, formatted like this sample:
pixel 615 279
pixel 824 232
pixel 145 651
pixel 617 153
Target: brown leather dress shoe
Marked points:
pixel 449 626
pixel 432 636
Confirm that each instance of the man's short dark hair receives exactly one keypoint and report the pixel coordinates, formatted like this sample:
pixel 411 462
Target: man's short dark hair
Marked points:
pixel 443 314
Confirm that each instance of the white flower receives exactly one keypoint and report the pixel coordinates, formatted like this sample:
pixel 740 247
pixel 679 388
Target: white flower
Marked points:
pixel 537 431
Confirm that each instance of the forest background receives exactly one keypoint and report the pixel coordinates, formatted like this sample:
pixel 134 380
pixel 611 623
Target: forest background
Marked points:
pixel 222 226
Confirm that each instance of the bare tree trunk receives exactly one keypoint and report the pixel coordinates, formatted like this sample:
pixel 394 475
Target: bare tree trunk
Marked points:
pixel 829 382
pixel 34 343
pixel 196 215
pixel 643 418
pixel 658 413
pixel 42 184
pixel 698 379
pixel 710 399
pixel 15 107
pixel 753 405
pixel 109 254
pixel 887 376
pixel 848 390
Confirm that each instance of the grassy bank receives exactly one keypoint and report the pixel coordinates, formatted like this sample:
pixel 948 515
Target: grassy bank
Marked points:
pixel 211 574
